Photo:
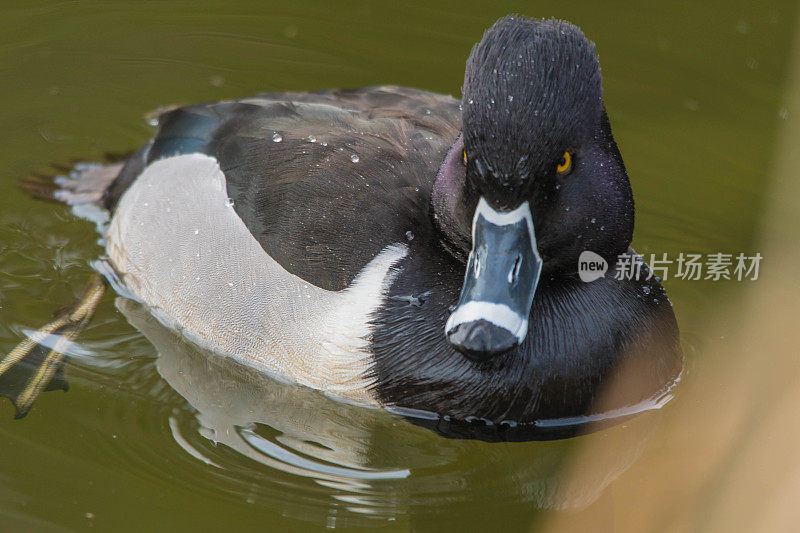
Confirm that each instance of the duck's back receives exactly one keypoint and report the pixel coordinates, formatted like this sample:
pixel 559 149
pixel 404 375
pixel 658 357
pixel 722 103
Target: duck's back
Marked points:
pixel 268 227
pixel 322 180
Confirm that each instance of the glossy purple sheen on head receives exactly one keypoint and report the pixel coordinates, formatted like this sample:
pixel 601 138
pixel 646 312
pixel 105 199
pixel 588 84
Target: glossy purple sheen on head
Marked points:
pixel 451 208
pixel 450 178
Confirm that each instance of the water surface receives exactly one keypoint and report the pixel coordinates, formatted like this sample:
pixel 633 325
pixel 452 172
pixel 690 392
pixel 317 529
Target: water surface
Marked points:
pixel 155 434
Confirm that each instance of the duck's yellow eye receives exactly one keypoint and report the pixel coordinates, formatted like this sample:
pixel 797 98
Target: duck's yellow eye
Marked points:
pixel 464 154
pixel 565 165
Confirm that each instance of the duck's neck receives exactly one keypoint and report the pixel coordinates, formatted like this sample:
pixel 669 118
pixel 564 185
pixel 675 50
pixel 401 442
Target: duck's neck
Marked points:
pixel 451 211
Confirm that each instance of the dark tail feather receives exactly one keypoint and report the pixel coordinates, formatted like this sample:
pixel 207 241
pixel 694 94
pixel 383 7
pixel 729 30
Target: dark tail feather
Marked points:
pixel 37 363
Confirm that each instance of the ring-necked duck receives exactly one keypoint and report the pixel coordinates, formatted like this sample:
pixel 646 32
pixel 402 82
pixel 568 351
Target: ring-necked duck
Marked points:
pixel 399 247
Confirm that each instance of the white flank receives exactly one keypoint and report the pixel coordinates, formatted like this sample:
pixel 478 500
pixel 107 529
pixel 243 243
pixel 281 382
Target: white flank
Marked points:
pixel 179 245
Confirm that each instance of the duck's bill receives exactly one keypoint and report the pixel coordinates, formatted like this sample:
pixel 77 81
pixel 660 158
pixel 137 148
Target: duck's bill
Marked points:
pixel 502 273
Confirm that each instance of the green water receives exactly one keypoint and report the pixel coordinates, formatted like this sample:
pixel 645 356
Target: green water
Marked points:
pixel 155 435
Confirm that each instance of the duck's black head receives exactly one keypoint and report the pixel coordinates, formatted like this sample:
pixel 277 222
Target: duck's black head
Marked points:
pixel 541 178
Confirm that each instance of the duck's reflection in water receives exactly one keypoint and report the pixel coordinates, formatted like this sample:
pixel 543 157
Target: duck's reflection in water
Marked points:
pixel 367 462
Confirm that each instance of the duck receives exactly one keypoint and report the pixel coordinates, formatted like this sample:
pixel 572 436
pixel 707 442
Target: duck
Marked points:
pixel 399 248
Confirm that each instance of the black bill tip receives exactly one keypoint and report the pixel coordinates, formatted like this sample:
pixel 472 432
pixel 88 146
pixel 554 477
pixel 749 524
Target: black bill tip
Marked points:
pixel 480 340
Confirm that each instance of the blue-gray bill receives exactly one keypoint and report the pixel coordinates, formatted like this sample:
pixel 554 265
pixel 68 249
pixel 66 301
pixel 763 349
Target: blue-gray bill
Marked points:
pixel 502 274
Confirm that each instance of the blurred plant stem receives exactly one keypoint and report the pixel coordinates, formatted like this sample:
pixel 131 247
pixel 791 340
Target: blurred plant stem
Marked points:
pixel 727 455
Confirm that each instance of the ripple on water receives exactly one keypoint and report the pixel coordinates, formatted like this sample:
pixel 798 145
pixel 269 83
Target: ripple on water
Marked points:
pixel 211 426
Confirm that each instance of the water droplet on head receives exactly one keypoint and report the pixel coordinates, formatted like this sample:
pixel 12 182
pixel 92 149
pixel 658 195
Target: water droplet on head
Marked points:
pixel 410 235
pixel 594 220
pixel 646 289
pixel 312 139
pixel 229 202
pixel 197 231
pixel 354 158
pixel 277 137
